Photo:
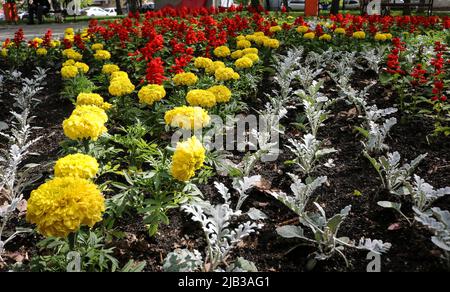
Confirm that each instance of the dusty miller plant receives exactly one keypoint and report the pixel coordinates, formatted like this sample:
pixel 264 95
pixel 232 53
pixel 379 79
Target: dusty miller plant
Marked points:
pixel 308 152
pixel 221 237
pixel 14 176
pixel 315 105
pixel 438 222
pixel 323 230
pixel 372 58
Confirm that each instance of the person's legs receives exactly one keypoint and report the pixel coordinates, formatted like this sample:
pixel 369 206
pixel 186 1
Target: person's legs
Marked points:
pixel 31 13
pixel 40 12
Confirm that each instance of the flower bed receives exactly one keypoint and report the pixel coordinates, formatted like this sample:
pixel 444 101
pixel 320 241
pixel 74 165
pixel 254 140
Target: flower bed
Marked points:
pixel 213 140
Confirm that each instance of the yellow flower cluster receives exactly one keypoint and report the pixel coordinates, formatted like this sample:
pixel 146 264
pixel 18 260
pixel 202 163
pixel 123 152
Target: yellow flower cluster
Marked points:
pixel 253 57
pixel 382 36
pixel 222 51
pixel 4 52
pixel 97 46
pixel 271 43
pixel 200 97
pixel 41 52
pixel 69 62
pixel 325 37
pixel 60 206
pixel 77 165
pixel 339 30
pixel 189 156
pixel 221 92
pixel 187 117
pixel 120 84
pixel 102 55
pixel 85 122
pixel 243 44
pixel 275 29
pixel 82 67
pixel 92 99
pixel 225 74
pixel 309 35
pixel 243 63
pixel 69 71
pixel 110 68
pixel 202 62
pixel 39 41
pixel 186 78
pixel 72 54
pixel 151 93
pixel 359 35
pixel 302 29
pixel 215 65
pixel 237 54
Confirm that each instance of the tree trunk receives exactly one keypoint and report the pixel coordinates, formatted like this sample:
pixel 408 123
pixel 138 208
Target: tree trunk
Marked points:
pixel 334 7
pixel 119 7
pixel 421 8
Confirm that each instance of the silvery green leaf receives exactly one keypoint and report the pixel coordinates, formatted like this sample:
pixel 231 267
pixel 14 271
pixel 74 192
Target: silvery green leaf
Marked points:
pixel 391 205
pixel 223 190
pixel 290 231
pixel 243 265
pixel 256 214
pixel 3 126
pixel 183 260
pixel 376 246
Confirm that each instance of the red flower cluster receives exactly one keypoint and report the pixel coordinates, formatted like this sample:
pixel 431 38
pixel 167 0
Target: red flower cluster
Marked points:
pixel 438 65
pixel 393 63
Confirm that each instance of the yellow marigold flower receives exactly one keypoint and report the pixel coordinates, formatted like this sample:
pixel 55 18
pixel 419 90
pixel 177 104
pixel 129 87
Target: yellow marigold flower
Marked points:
pixel 243 44
pixel 4 52
pixel 272 43
pixel 38 40
pixel 72 54
pixel 380 37
pixel 261 40
pixel 82 67
pixel 151 93
pixel 243 63
pixel 222 52
pixel 251 37
pixel 189 156
pixel 339 30
pixel 237 54
pixel 69 62
pixel 187 117
pixel 76 165
pixel 102 55
pixel 276 28
pixel 41 52
pixel 221 92
pixel 225 74
pixel 359 35
pixel 259 34
pixel 60 206
pixel 388 36
pixel 92 99
pixel 216 65
pixel 120 86
pixel 309 35
pixel 110 68
pixel 118 74
pixel 240 38
pixel 325 37
pixel 302 29
pixel 200 97
pixel 69 31
pixel 186 78
pixel 55 43
pixel 85 122
pixel 250 51
pixel 68 72
pixel 253 57
pixel 202 62
pixel 96 47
